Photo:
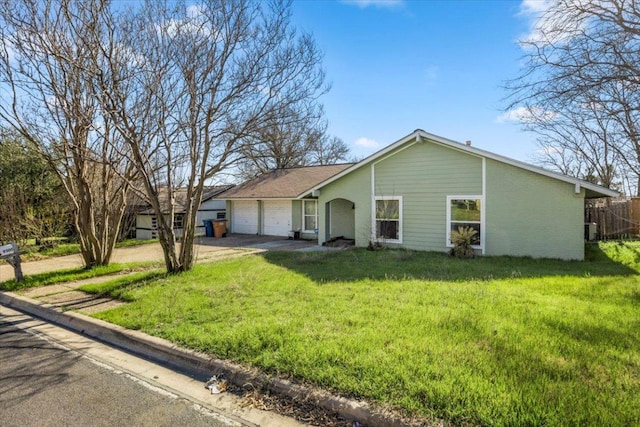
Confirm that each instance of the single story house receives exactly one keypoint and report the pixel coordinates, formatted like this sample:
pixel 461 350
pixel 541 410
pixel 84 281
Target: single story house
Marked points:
pixel 278 203
pixel 210 208
pixel 414 192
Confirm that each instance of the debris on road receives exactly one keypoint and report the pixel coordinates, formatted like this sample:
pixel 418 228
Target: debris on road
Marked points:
pixel 217 384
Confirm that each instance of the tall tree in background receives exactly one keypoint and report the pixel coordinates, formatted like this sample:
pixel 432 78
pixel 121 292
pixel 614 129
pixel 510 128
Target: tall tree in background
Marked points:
pixel 578 142
pixel 294 137
pixel 33 203
pixel 580 87
pixel 188 86
pixel 48 94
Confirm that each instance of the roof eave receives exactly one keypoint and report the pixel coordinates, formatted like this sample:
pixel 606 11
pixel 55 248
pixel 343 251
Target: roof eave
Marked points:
pixel 418 135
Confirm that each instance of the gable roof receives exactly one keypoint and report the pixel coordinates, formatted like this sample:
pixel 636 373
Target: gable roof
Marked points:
pixel 180 195
pixel 591 190
pixel 292 183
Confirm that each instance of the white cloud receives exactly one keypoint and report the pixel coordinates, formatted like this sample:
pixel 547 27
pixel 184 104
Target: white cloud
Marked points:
pixel 549 151
pixel 534 6
pixel 525 115
pixel 367 143
pixel 195 11
pixel 194 24
pixel 548 28
pixel 375 3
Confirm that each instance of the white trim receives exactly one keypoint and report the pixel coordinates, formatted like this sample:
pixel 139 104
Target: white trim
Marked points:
pixel 256 199
pixel 372 233
pixel 375 219
pixel 366 160
pixel 394 153
pixel 448 244
pixel 328 232
pixel 317 229
pixel 474 151
pixel 483 209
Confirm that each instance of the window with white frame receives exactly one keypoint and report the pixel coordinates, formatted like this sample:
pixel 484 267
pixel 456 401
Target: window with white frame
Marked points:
pixel 463 212
pixel 388 219
pixel 178 220
pixel 310 215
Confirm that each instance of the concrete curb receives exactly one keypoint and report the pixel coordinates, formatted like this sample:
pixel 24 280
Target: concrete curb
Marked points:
pixel 165 352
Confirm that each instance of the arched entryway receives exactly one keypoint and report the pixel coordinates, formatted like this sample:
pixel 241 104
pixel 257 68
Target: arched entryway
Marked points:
pixel 340 219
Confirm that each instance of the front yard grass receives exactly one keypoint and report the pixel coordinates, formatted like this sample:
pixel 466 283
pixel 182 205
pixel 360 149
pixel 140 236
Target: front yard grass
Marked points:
pixel 492 341
pixel 72 274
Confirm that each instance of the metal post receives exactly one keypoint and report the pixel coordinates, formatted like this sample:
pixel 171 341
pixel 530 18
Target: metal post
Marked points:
pixel 17 266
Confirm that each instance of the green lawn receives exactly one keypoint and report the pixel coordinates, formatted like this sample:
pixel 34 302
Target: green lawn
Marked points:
pixel 71 274
pixel 492 341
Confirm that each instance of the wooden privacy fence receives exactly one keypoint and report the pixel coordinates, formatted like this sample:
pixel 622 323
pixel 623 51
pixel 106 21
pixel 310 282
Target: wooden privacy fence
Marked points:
pixel 620 220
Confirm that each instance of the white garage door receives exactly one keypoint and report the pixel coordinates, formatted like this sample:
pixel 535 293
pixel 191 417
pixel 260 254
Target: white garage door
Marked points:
pixel 276 218
pixel 244 218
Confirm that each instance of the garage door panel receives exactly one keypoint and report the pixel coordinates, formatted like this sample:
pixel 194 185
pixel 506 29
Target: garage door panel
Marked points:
pixel 276 218
pixel 244 218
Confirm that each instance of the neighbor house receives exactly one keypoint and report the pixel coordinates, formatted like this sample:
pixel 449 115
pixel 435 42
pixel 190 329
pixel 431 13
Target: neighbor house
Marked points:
pixel 414 192
pixel 210 208
pixel 279 202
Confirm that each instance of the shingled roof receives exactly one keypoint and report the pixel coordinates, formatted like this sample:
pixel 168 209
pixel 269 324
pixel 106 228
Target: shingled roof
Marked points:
pixel 289 183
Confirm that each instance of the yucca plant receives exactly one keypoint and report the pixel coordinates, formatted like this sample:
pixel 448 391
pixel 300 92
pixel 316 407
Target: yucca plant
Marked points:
pixel 462 239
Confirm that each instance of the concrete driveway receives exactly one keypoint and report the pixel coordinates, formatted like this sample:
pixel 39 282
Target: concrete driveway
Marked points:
pixel 206 249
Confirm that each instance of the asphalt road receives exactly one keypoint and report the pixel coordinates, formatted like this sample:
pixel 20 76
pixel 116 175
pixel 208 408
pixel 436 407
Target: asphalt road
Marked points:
pixel 44 384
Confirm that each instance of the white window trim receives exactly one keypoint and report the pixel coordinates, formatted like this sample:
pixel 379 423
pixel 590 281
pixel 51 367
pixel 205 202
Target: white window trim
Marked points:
pixel 375 219
pixel 482 220
pixel 304 215
pixel 180 223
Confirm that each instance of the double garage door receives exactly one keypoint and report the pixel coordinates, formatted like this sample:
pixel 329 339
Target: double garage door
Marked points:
pixel 276 217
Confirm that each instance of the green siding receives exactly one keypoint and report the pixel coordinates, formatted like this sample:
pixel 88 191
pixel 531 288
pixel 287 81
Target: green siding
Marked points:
pixel 424 174
pixel 296 213
pixel 533 215
pixel 526 214
pixel 355 187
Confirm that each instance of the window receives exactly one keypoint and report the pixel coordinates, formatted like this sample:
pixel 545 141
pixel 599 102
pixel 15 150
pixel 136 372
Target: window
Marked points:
pixel 389 219
pixel 310 215
pixel 465 211
pixel 178 220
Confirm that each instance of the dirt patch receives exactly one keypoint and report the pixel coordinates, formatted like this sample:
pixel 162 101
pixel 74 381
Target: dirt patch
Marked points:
pixel 80 301
pixel 340 242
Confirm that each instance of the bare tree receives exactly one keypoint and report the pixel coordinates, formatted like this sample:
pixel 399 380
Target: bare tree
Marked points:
pixel 187 86
pixel 577 142
pixel 581 83
pixel 48 94
pixel 293 137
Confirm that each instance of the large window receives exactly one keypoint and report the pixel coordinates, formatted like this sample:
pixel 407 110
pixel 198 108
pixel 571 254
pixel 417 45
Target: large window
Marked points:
pixel 462 212
pixel 389 219
pixel 310 215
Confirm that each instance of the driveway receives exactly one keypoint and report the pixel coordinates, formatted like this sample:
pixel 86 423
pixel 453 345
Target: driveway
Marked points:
pixel 206 249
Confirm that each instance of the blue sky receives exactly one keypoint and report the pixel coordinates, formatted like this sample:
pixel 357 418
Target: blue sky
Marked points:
pixel 396 66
